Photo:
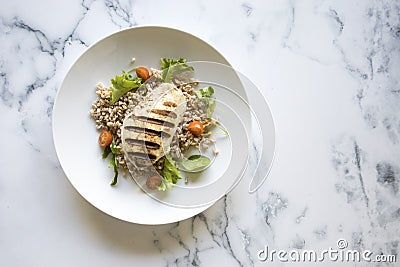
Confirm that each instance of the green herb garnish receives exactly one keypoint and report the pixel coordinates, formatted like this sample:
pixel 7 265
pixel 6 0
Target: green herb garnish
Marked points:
pixel 114 150
pixel 123 84
pixel 106 152
pixel 170 174
pixel 205 94
pixel 210 107
pixel 171 68
pixel 195 162
pixel 168 62
pixel 218 125
pixel 113 163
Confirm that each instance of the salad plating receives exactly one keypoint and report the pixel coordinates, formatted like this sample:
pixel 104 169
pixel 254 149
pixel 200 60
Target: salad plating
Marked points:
pixel 150 120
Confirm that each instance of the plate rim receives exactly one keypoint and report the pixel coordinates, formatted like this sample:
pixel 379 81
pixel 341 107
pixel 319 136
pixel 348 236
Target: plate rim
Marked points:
pixel 56 99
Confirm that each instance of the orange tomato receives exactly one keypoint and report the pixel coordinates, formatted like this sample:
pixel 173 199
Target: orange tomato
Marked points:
pixel 142 73
pixel 105 138
pixel 196 127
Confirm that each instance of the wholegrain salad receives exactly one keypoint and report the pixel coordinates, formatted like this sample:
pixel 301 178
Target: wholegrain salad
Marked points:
pixel 149 119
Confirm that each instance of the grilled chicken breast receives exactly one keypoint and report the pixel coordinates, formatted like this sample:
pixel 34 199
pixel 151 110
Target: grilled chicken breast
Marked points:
pixel 148 131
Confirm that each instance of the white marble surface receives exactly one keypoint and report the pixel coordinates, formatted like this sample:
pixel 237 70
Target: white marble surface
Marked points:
pixel 330 71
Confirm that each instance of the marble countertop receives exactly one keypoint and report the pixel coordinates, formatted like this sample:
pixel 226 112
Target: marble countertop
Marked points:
pixel 330 71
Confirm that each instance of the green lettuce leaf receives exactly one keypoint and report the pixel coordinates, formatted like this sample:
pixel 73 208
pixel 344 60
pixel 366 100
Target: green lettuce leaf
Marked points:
pixel 123 84
pixel 114 150
pixel 210 107
pixel 168 62
pixel 205 95
pixel 205 92
pixel 171 68
pixel 170 174
pixel 106 152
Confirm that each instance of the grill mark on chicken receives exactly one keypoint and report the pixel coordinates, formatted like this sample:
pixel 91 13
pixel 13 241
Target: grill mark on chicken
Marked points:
pixel 170 104
pixel 147 131
pixel 148 144
pixel 165 113
pixel 141 155
pixel 152 124
pixel 155 121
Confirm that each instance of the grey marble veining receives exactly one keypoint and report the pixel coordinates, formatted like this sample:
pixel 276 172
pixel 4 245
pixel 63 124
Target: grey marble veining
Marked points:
pixel 330 71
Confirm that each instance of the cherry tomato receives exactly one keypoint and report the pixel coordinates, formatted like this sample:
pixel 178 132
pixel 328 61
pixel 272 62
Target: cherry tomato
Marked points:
pixel 105 138
pixel 142 73
pixel 196 127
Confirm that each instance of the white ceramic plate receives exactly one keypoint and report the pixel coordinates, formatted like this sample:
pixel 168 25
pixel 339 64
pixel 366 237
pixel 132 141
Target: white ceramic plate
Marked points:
pixel 75 136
